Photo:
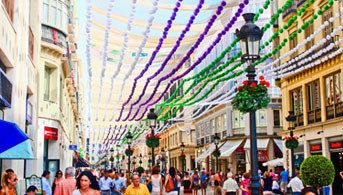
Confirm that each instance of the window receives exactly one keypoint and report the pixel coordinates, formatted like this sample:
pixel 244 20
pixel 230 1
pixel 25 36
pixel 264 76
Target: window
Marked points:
pixel 218 124
pixel 313 95
pixel 47 75
pixel 308 32
pixel 292 44
pixel 297 105
pixel 238 124
pixel 224 116
pixel 9 6
pixel 277 118
pixel 261 119
pixel 334 107
pixel 328 29
pixel 55 13
pixel 213 128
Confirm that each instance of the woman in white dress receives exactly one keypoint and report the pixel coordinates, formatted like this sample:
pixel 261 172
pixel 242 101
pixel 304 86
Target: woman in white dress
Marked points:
pixel 156 181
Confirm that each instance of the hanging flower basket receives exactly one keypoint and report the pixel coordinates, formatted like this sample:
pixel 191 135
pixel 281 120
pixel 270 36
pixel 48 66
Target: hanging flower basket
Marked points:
pixel 140 162
pixel 149 161
pixel 153 141
pixel 134 162
pixel 292 142
pixel 182 156
pixel 251 97
pixel 118 156
pixel 163 159
pixel 216 153
pixel 129 152
pixel 112 159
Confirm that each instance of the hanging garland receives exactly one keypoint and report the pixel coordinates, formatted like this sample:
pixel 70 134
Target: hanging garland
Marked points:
pixel 216 153
pixel 153 141
pixel 251 97
pixel 129 152
pixel 292 142
pixel 182 156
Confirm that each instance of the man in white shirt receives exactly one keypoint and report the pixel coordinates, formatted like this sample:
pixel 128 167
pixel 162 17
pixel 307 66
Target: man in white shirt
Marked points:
pixel 105 184
pixel 230 186
pixel 296 184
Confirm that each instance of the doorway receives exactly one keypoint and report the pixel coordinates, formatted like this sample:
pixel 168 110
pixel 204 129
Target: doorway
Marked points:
pixel 337 160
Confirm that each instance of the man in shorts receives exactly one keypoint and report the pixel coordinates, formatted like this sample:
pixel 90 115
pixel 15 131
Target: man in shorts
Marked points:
pixel 203 182
pixel 284 180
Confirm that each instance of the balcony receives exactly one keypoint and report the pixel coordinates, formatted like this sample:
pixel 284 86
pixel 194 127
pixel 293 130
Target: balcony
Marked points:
pixel 334 110
pixel 7 40
pixel 53 36
pixel 5 91
pixel 291 9
pixel 314 116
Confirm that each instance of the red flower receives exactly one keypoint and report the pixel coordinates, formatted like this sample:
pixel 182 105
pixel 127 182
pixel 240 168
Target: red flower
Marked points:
pixel 263 82
pixel 240 88
pixel 261 78
pixel 267 84
pixel 245 82
pixel 253 84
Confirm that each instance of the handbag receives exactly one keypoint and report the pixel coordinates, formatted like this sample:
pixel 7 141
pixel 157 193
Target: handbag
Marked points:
pixel 170 185
pixel 149 187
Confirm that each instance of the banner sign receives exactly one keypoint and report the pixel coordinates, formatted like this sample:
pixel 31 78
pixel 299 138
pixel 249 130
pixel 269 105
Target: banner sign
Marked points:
pixel 50 133
pixel 72 147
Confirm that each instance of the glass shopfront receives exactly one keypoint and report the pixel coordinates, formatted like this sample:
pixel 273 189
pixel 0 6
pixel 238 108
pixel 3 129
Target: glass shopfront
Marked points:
pixel 240 160
pixel 336 153
pixel 299 154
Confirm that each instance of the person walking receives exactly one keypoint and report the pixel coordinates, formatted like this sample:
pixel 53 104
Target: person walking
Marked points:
pixel 267 183
pixel 284 180
pixel 230 186
pixel 105 184
pixel 203 182
pixel 8 183
pixel 136 188
pixel 276 187
pixel 118 184
pixel 187 187
pixel 86 184
pixel 67 186
pixel 217 183
pixel 156 181
pixel 296 184
pixel 45 182
pixel 195 182
pixel 245 184
pixel 172 181
pixel 58 178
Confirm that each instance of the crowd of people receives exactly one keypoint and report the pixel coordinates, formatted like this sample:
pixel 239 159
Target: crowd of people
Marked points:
pixel 155 182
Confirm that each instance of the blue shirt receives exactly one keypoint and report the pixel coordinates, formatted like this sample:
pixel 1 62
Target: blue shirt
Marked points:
pixel 105 184
pixel 203 177
pixel 118 184
pixel 284 176
pixel 46 186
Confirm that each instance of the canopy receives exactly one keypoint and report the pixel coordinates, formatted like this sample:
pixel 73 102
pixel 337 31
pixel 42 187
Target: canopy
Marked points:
pixel 229 147
pixel 14 143
pixel 262 144
pixel 274 162
pixel 82 162
pixel 278 142
pixel 205 154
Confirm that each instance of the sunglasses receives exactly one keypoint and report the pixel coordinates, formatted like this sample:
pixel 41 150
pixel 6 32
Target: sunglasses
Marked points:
pixel 15 179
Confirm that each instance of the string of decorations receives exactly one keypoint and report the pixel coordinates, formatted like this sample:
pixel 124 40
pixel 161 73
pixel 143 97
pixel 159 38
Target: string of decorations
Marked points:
pixel 154 53
pixel 208 51
pixel 166 60
pixel 89 63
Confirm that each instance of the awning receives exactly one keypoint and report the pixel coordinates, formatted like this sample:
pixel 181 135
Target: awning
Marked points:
pixel 81 162
pixel 205 154
pixel 274 162
pixel 278 142
pixel 229 147
pixel 14 143
pixel 262 144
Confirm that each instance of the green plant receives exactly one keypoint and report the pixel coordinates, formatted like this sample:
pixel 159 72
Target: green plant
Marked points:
pixel 182 156
pixel 317 171
pixel 140 169
pixel 292 142
pixel 152 141
pixel 251 97
pixel 129 152
pixel 216 153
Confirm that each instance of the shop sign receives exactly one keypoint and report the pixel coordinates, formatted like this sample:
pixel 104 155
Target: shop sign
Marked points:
pixel 240 150
pixel 72 147
pixel 316 147
pixel 50 133
pixel 336 145
pixel 262 155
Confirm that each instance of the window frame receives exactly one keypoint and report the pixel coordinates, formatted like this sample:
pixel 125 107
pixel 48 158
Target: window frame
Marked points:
pixel 313 102
pixel 331 103
pixel 299 112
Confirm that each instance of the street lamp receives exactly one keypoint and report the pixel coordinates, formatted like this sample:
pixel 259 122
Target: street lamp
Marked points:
pixel 112 157
pixel 216 142
pixel 129 141
pixel 134 162
pixel 140 159
pixel 182 150
pixel 163 153
pixel 291 118
pixel 250 35
pixel 152 123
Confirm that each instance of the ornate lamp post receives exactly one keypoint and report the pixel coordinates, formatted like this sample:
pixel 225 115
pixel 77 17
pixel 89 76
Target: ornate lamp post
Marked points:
pixel 118 163
pixel 140 159
pixel 291 118
pixel 134 163
pixel 250 35
pixel 216 142
pixel 163 153
pixel 112 157
pixel 129 141
pixel 152 123
pixel 182 150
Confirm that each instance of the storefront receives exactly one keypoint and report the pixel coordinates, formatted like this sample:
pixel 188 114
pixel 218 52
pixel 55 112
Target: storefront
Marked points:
pixel 316 147
pixel 336 153
pixel 299 154
pixel 240 160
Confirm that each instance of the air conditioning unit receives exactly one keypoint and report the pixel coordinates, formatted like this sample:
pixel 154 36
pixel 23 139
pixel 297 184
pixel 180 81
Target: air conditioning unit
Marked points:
pixel 5 91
